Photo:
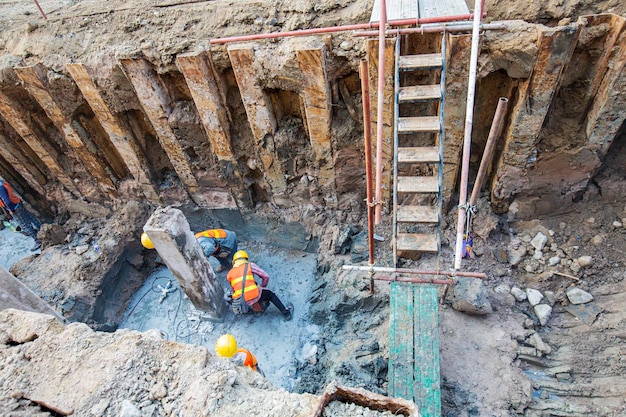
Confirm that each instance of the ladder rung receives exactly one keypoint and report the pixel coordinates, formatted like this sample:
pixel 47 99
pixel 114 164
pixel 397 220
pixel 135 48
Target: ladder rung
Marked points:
pixel 420 62
pixel 418 184
pixel 424 154
pixel 427 124
pixel 417 242
pixel 417 93
pixel 417 214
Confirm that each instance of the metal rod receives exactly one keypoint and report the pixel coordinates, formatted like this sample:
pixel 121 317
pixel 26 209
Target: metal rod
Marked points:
pixel 434 29
pixel 41 10
pixel 414 271
pixel 367 134
pixel 467 140
pixel 379 110
pixel 417 280
pixel 331 29
pixel 494 133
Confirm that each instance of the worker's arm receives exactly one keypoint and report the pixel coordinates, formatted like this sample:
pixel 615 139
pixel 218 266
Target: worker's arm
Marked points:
pixel 230 241
pixel 208 245
pixel 256 270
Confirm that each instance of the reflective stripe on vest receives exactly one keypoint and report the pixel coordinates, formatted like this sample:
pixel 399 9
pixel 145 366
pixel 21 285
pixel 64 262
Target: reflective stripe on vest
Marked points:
pixel 213 233
pixel 235 277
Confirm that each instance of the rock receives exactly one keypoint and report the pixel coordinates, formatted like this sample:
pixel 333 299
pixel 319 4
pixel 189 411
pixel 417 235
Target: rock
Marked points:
pixel 539 241
pixel 516 255
pixel 82 249
pixel 538 255
pixel 502 289
pixel 617 225
pixel 555 260
pixel 129 410
pixel 158 391
pixel 519 294
pixel 598 240
pixel 99 409
pixel 500 255
pixel 543 312
pixel 550 297
pixel 534 296
pixel 585 261
pixel 578 296
pixel 344 240
pixel 575 267
pixel 359 250
pixel 536 341
pixel 470 296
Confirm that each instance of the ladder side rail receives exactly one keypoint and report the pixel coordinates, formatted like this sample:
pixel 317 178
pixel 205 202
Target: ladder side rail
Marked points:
pixel 442 103
pixel 395 150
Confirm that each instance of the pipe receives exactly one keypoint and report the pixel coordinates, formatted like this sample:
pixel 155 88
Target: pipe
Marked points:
pixel 331 29
pixel 414 271
pixel 416 280
pixel 494 133
pixel 379 110
pixel 467 140
pixel 434 29
pixel 41 10
pixel 367 133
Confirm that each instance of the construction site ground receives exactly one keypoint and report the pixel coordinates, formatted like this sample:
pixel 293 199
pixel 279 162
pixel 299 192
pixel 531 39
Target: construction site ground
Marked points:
pixel 505 363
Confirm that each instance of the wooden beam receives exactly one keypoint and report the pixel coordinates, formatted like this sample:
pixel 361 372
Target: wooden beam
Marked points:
pixel 260 114
pixel 457 70
pixel 118 133
pixel 555 49
pixel 316 94
pixel 606 114
pixel 388 112
pixel 21 164
pixel 17 117
pixel 155 102
pixel 35 82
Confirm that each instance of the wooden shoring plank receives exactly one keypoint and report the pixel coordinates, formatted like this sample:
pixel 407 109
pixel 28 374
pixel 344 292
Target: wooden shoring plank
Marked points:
pixel 35 82
pixel 555 49
pixel 153 97
pixel 119 134
pixel 260 113
pixel 401 356
pixel 609 99
pixel 316 96
pixel 388 112
pixel 20 164
pixel 17 117
pixel 427 394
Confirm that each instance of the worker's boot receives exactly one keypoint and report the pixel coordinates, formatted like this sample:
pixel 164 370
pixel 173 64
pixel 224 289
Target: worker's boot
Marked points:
pixel 289 314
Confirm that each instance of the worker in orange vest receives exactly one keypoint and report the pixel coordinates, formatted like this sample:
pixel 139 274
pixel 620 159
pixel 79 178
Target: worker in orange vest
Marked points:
pixel 247 294
pixel 219 243
pixel 12 205
pixel 226 347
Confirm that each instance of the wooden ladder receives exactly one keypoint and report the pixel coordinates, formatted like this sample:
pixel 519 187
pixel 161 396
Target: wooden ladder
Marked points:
pixel 418 156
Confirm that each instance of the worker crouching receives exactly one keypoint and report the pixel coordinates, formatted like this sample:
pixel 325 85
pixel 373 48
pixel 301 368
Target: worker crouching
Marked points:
pixel 247 295
pixel 226 347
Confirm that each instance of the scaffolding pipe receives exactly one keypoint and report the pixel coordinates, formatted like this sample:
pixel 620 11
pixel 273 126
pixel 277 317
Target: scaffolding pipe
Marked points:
pixel 434 29
pixel 494 133
pixel 414 271
pixel 344 28
pixel 379 110
pixel 467 139
pixel 416 280
pixel 367 134
pixel 41 10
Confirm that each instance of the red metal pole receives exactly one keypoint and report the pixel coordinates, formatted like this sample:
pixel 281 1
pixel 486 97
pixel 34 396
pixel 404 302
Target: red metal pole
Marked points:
pixel 494 132
pixel 331 29
pixel 40 10
pixel 379 110
pixel 433 29
pixel 367 133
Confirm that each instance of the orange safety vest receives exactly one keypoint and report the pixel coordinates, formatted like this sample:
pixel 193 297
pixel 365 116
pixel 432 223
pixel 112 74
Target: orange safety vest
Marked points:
pixel 235 278
pixel 213 233
pixel 250 360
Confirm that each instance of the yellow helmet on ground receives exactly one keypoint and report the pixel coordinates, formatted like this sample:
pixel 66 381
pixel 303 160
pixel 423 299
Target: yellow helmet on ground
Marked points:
pixel 226 346
pixel 240 254
pixel 146 242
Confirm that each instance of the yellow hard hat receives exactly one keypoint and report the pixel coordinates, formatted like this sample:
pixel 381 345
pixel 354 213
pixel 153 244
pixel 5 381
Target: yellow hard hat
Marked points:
pixel 146 242
pixel 240 254
pixel 226 346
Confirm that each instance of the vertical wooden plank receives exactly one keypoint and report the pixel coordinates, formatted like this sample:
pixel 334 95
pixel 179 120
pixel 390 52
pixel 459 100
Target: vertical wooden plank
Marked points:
pixel 156 104
pixel 401 358
pixel 316 94
pixel 388 112
pixel 556 46
pixel 35 82
pixel 17 117
pixel 19 163
pixel 260 113
pixel 118 133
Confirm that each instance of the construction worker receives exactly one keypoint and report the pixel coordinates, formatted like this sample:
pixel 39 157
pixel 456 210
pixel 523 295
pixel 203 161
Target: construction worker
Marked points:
pixel 13 208
pixel 219 243
pixel 226 347
pixel 247 294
